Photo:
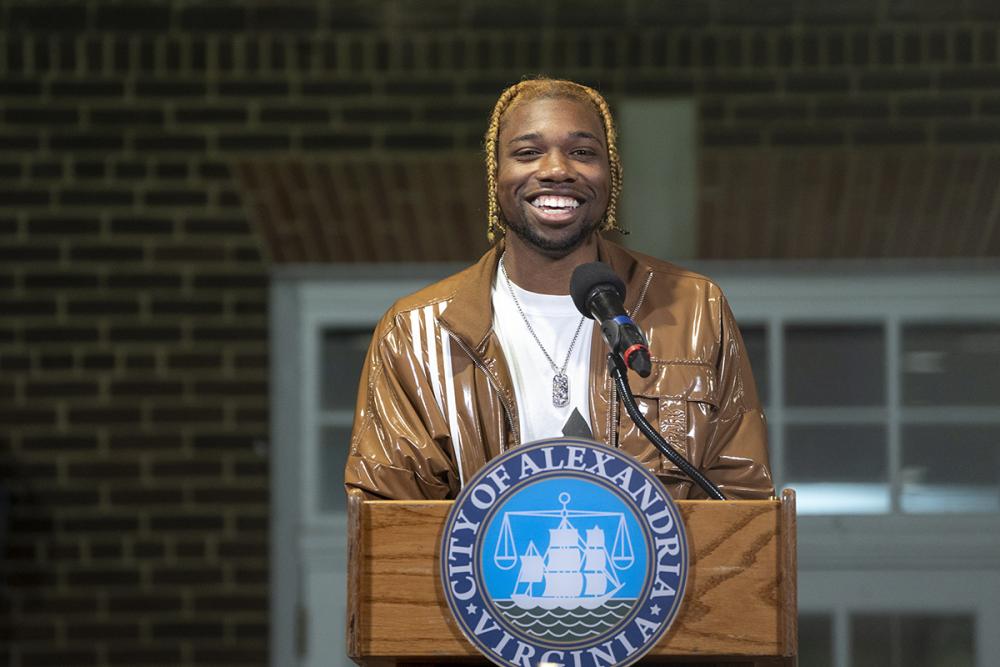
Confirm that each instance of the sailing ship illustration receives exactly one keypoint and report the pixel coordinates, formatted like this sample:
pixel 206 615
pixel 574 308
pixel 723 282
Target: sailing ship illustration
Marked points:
pixel 575 571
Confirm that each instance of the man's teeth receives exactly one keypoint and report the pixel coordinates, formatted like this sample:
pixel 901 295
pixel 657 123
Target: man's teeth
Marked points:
pixel 553 201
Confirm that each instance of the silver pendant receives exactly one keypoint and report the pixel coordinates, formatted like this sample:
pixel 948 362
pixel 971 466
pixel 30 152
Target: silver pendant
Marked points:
pixel 560 390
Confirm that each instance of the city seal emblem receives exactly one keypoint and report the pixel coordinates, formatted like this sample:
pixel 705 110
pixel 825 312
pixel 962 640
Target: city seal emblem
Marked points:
pixel 564 552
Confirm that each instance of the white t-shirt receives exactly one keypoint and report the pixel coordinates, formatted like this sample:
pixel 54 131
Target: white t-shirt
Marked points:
pixel 554 319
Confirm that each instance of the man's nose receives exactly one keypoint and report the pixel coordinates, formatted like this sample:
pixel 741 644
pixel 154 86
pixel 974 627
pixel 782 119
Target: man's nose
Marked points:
pixel 556 167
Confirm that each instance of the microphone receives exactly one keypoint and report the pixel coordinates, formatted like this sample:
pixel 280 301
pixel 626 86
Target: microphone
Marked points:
pixel 599 294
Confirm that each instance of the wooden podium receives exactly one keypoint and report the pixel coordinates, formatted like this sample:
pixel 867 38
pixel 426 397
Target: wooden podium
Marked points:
pixel 739 609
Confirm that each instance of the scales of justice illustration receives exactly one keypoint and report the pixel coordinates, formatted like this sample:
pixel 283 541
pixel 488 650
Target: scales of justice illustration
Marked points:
pixel 576 570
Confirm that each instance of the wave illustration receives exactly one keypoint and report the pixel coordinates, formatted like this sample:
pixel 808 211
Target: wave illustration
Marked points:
pixel 563 624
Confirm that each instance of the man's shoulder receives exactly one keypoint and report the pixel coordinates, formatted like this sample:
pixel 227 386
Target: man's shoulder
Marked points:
pixel 679 277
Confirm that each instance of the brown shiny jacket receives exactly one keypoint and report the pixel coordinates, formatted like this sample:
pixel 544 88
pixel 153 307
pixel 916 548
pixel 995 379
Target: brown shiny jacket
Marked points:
pixel 436 401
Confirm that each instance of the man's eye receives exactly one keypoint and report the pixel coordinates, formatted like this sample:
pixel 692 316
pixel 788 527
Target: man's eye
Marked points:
pixel 527 153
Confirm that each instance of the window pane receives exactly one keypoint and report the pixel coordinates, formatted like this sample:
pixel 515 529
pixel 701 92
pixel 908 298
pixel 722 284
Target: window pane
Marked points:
pixel 755 339
pixel 834 365
pixel 880 640
pixel 335 442
pixel 837 468
pixel 951 364
pixel 951 468
pixel 343 356
pixel 815 640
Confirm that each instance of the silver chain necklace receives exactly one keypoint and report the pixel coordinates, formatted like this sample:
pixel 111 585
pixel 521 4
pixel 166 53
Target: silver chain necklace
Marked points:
pixel 560 381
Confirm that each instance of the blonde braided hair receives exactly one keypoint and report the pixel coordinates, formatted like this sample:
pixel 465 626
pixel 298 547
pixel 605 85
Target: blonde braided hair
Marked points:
pixel 531 89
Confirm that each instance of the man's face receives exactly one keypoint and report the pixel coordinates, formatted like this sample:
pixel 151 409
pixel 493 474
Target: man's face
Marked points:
pixel 553 174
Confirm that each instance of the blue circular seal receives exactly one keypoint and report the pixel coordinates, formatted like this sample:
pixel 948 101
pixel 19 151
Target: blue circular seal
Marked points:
pixel 564 552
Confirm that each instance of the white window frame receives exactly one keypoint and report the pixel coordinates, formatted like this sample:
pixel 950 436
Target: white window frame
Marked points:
pixel 961 552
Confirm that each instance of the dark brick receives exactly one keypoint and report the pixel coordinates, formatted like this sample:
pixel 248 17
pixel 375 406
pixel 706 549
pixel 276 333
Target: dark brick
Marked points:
pixel 145 603
pixel 336 141
pixel 190 253
pixel 737 85
pixel 130 170
pixel 807 137
pixel 28 253
pixel 140 362
pixel 23 197
pixel 89 169
pixel 96 197
pixel 170 89
pixel 418 141
pixel 171 170
pixel 27 306
pixel 295 115
pixel 46 170
pixel 154 550
pixel 110 630
pixel 899 80
pixel 126 18
pixel 176 197
pixel 45 17
pixel 187 468
pixel 53 657
pixel 889 134
pixel 230 388
pixel 233 602
pixel 762 12
pixel 251 469
pixel 102 307
pixel 211 18
pixel 143 442
pixel 107 253
pixel 69 443
pixel 231 496
pixel 254 88
pixel 98 361
pixel 144 281
pixel 41 115
pixel 186 361
pixel 224 442
pixel 253 142
pixel 284 18
pixel 935 106
pixel 818 82
pixel 970 79
pixel 63 334
pixel 19 142
pixel 100 524
pixel 104 415
pixel 428 88
pixel 170 142
pixel 104 470
pixel 195 630
pixel 186 414
pixel 142 225
pixel 923 10
pixel 186 522
pixel 252 255
pixel 103 578
pixel 843 11
pixel 187 307
pixel 969 133
pixel 730 137
pixel 231 281
pixel 144 388
pixel 844 108
pixel 95 88
pixel 140 497
pixel 337 88
pixel 60 280
pixel 146 334
pixel 10 171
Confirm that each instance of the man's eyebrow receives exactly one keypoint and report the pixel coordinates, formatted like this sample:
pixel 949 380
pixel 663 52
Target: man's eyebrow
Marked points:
pixel 578 134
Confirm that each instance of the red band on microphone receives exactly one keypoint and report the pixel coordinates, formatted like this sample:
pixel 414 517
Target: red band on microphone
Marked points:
pixel 632 350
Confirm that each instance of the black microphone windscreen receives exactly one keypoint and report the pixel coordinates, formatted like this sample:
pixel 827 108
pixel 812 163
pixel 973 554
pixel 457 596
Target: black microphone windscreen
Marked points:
pixel 588 276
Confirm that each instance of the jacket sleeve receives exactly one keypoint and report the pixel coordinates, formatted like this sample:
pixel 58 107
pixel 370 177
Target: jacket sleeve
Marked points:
pixel 736 457
pixel 400 437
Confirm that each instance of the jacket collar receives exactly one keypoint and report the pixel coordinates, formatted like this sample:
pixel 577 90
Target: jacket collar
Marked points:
pixel 470 313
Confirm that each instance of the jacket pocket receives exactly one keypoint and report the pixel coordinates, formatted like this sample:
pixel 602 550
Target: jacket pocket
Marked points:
pixel 674 398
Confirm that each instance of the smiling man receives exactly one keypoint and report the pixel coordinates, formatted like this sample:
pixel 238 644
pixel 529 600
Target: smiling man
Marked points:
pixel 498 355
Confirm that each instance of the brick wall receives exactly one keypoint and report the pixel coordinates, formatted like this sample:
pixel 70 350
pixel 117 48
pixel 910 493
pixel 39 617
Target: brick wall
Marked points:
pixel 138 141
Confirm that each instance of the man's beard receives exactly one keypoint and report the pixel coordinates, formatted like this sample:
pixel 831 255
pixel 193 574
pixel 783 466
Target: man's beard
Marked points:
pixel 550 247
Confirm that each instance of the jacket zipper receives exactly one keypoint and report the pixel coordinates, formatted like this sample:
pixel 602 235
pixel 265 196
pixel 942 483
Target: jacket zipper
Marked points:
pixel 508 410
